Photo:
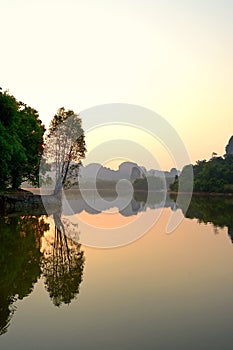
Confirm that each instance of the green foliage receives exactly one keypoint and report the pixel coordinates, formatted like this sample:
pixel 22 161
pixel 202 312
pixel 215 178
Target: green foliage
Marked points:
pixel 21 142
pixel 6 151
pixel 184 181
pixel 215 175
pixel 175 185
pixel 152 183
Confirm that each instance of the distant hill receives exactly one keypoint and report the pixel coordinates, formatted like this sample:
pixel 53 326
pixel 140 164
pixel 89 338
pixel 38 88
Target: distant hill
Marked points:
pixel 127 170
pixel 96 175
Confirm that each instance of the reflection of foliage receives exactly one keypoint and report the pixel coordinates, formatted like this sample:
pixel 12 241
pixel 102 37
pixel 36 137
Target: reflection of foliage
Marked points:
pixel 62 267
pixel 19 260
pixel 211 209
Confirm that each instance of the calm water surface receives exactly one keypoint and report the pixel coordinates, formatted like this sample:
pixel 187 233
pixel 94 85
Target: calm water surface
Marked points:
pixel 159 292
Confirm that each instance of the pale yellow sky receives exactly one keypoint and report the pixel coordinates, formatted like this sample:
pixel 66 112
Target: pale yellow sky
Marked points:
pixel 173 57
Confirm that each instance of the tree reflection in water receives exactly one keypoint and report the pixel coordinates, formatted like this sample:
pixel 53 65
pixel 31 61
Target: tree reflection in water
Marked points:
pixel 211 209
pixel 60 260
pixel 19 260
pixel 23 262
pixel 62 265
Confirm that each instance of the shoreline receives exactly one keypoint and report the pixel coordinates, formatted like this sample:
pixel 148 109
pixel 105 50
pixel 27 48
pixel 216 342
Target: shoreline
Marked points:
pixel 31 201
pixel 35 192
pixel 203 194
pixel 26 201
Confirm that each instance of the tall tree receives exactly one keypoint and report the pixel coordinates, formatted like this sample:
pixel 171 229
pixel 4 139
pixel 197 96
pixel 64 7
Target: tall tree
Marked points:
pixel 65 147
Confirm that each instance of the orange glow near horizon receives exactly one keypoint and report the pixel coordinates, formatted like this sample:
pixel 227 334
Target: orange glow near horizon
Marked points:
pixel 110 219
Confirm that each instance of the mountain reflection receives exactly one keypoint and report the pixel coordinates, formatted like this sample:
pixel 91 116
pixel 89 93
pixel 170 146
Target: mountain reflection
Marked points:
pixel 23 262
pixel 207 209
pixel 97 202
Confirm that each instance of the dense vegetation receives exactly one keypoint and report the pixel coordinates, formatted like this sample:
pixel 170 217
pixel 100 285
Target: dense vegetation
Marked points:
pixel 215 175
pixel 21 142
pixel 149 183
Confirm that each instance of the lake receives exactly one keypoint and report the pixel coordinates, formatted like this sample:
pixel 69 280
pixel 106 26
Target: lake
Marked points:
pixel 152 290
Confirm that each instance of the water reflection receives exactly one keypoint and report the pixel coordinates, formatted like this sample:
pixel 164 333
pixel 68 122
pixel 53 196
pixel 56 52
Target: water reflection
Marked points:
pixel 95 204
pixel 211 209
pixel 23 262
pixel 207 209
pixel 62 266
pixel 20 261
pixel 30 248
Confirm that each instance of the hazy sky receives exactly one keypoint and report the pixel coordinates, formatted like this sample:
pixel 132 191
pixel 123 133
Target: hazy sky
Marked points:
pixel 174 57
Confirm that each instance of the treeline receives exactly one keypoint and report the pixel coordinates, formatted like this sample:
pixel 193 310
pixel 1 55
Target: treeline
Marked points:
pixel 215 175
pixel 22 145
pixel 21 142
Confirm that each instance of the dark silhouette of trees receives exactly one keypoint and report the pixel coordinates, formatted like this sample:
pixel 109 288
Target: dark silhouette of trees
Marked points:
pixel 21 142
pixel 65 148
pixel 215 175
